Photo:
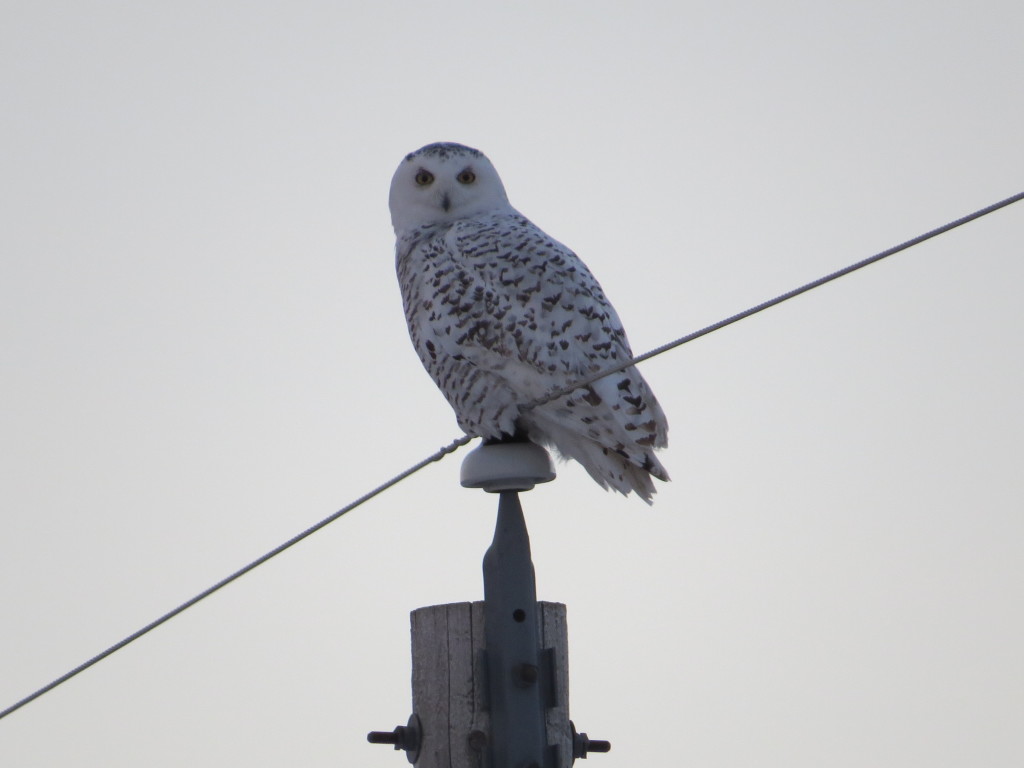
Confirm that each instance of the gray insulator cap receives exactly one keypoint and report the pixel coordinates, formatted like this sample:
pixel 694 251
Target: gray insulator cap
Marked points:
pixel 507 467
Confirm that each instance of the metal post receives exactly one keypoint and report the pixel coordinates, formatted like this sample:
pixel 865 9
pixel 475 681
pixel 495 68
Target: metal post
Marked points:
pixel 518 738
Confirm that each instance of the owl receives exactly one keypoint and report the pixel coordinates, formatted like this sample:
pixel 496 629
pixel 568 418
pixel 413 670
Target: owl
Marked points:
pixel 501 314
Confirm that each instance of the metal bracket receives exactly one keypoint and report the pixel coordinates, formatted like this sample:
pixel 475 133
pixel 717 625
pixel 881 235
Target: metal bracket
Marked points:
pixel 518 735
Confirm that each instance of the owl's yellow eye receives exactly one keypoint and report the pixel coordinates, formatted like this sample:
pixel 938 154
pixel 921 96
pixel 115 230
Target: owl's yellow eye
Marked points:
pixel 423 177
pixel 466 177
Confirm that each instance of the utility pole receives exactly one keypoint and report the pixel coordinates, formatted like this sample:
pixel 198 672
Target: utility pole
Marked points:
pixel 490 679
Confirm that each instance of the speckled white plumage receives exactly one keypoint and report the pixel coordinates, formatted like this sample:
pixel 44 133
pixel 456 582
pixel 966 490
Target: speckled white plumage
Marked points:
pixel 500 314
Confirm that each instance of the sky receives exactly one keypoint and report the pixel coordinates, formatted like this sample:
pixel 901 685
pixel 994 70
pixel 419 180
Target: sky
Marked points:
pixel 204 353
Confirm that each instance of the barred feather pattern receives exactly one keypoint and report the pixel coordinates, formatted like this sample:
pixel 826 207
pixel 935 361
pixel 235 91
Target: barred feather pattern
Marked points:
pixel 501 314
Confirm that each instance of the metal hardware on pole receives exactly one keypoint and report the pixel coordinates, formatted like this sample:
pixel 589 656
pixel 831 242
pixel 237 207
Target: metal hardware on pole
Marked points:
pixel 491 679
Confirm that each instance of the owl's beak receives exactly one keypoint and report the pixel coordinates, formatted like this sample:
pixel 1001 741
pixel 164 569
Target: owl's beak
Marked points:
pixel 446 202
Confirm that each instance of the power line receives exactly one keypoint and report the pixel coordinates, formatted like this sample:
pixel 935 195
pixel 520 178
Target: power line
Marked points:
pixel 776 301
pixel 463 440
pixel 436 456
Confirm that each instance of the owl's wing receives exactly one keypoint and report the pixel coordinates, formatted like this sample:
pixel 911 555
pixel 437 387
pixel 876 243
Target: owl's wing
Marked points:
pixel 538 321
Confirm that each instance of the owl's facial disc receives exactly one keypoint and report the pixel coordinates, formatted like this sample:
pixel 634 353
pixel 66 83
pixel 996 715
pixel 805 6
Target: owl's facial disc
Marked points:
pixel 442 183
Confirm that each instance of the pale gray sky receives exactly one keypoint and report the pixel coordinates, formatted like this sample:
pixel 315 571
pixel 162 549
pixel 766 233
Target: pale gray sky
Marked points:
pixel 204 353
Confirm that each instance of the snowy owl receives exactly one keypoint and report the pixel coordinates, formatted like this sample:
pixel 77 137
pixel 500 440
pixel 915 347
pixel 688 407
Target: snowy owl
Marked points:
pixel 501 314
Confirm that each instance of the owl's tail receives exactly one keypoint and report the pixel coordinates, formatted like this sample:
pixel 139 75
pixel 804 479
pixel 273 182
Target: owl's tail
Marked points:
pixel 627 470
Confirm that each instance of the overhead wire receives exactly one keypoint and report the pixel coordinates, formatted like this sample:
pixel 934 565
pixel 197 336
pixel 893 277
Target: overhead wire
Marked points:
pixel 457 443
pixel 587 381
pixel 436 456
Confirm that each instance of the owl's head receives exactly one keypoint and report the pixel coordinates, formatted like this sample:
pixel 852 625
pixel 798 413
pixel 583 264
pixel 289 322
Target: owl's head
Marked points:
pixel 441 183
